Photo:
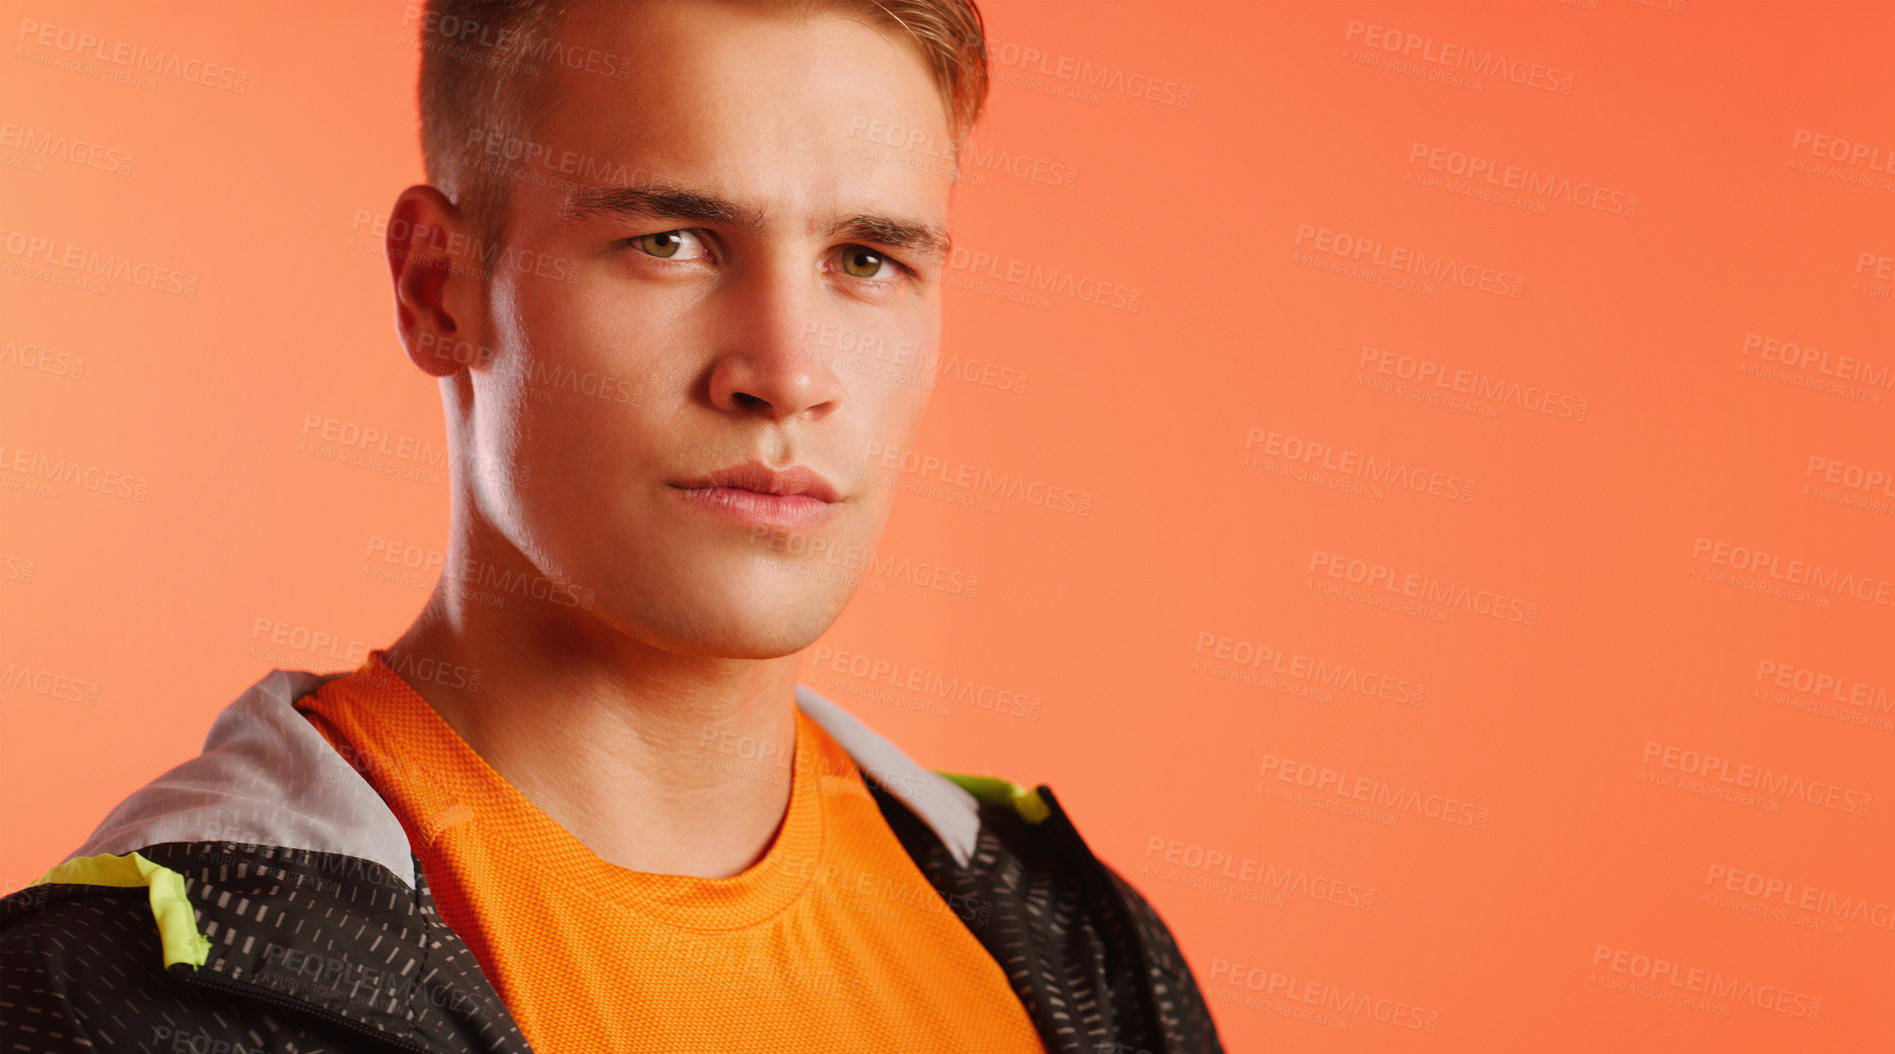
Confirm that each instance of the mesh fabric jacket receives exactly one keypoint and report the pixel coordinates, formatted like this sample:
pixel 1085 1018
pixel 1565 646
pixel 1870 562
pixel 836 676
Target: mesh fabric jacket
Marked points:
pixel 262 897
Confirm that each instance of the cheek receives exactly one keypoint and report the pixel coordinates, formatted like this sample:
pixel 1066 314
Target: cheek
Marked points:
pixel 639 344
pixel 890 433
pixel 910 403
pixel 580 351
pixel 562 402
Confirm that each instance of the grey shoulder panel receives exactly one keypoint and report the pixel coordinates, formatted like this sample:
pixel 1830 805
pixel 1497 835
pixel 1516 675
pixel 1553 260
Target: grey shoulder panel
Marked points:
pixel 265 777
pixel 944 805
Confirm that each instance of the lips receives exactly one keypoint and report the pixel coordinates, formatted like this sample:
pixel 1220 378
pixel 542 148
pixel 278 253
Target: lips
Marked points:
pixel 762 479
pixel 755 494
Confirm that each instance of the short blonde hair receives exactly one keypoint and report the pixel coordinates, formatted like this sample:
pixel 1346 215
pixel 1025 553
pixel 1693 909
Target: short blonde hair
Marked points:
pixel 481 62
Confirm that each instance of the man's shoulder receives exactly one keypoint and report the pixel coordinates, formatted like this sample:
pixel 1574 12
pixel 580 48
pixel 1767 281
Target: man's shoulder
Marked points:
pixel 263 811
pixel 213 946
pixel 68 947
pixel 265 776
pixel 1034 893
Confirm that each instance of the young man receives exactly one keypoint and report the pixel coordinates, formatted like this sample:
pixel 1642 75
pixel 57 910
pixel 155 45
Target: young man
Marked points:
pixel 599 813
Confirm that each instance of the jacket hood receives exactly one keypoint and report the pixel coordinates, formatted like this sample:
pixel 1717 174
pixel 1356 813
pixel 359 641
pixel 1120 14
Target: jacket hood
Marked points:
pixel 267 777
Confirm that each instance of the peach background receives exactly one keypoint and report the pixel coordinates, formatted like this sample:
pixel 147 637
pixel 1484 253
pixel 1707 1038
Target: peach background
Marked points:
pixel 1196 207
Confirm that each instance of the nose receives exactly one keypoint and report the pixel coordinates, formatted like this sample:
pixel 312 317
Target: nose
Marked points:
pixel 767 365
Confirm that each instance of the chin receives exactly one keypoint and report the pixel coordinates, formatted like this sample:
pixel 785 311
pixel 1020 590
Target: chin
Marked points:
pixel 750 616
pixel 750 634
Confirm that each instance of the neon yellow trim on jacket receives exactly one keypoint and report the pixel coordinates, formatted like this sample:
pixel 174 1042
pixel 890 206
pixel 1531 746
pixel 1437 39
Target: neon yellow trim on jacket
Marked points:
pixel 170 906
pixel 1028 803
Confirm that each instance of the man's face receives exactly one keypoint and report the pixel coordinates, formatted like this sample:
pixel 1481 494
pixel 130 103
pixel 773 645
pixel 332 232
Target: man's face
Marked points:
pixel 706 331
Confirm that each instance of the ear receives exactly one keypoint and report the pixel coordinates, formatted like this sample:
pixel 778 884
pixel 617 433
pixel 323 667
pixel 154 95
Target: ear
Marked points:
pixel 434 259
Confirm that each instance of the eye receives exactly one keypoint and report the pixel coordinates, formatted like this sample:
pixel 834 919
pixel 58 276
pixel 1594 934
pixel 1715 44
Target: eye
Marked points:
pixel 668 245
pixel 860 261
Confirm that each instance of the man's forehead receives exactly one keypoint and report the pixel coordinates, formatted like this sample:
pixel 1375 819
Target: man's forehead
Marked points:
pixel 756 66
pixel 737 115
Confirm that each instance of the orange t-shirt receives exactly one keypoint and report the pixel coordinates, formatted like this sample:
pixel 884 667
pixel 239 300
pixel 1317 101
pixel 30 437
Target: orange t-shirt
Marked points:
pixel 833 941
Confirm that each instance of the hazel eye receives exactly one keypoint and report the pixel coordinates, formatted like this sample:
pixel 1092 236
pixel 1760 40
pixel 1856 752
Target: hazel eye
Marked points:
pixel 665 245
pixel 859 261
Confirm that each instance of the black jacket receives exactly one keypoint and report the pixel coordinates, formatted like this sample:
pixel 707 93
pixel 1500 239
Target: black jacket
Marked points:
pixel 262 897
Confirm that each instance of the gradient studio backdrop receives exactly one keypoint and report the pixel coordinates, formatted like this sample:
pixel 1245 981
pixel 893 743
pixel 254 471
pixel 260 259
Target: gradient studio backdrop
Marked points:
pixel 1406 767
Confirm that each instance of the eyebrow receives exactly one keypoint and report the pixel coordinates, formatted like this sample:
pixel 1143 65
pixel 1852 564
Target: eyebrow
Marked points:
pixel 666 201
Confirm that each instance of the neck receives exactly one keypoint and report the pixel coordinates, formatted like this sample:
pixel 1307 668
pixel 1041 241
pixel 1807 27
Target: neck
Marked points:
pixel 615 739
